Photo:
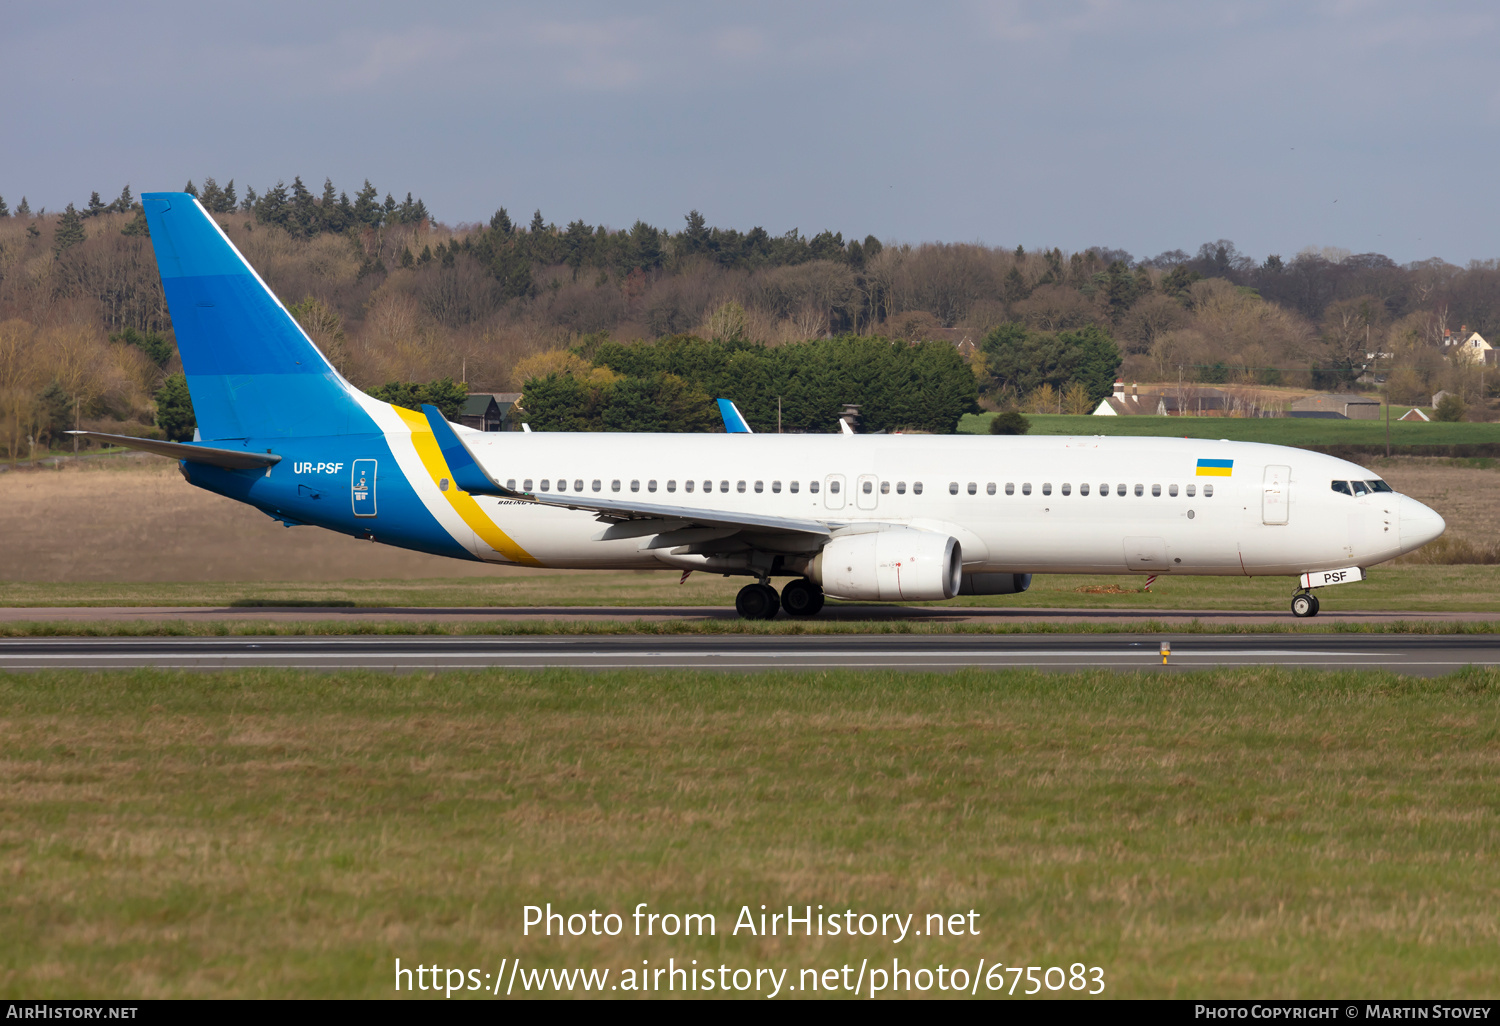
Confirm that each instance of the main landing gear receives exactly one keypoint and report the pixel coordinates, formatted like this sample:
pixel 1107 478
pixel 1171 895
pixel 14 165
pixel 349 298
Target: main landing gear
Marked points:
pixel 1304 603
pixel 799 598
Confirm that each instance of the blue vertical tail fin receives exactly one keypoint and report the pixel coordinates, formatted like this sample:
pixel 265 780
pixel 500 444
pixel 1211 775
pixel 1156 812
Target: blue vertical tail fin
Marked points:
pixel 251 369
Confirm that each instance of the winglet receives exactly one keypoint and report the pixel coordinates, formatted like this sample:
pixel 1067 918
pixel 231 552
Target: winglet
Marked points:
pixel 734 421
pixel 468 474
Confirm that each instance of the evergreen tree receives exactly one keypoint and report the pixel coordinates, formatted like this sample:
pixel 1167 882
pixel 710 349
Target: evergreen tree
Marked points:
pixel 538 226
pixel 125 202
pixel 153 344
pixel 328 208
pixel 96 206
pixel 302 219
pixel 69 231
pixel 646 245
pixel 24 210
pixel 388 212
pixel 419 212
pixel 273 207
pixel 367 206
pixel 695 235
pixel 4 210
pixel 174 409
pixel 445 393
pixel 212 197
pixel 407 260
pixel 137 225
pixel 872 247
pixel 230 202
pixel 251 200
pixel 190 189
pixel 501 222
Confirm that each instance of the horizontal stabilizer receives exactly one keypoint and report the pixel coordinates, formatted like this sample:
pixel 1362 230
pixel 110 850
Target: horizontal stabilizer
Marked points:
pixel 467 473
pixel 232 459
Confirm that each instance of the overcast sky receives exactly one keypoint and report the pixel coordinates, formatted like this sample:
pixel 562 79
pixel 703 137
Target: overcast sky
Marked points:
pixel 1147 126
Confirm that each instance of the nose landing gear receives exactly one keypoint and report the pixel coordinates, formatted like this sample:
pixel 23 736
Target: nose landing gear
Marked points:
pixel 1304 603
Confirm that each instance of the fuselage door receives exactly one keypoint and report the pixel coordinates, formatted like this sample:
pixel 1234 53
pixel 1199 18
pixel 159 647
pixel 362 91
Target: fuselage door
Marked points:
pixel 833 491
pixel 865 495
pixel 1275 494
pixel 362 487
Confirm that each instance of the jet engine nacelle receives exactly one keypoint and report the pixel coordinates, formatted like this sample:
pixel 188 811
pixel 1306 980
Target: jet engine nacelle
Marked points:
pixel 994 584
pixel 901 564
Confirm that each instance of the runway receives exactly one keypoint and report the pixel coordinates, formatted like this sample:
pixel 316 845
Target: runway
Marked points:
pixel 1420 655
pixel 840 612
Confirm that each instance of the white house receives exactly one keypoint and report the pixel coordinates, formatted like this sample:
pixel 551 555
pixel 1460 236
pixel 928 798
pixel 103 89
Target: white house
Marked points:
pixel 1471 344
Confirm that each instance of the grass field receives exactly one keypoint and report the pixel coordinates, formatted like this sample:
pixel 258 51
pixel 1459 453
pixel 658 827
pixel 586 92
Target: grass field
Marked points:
pixel 1275 430
pixel 274 834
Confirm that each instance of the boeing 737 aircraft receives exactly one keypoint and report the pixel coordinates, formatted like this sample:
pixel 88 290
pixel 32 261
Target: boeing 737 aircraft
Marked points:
pixel 870 517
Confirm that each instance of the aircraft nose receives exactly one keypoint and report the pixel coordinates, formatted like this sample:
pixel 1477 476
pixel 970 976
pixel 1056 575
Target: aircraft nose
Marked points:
pixel 1419 524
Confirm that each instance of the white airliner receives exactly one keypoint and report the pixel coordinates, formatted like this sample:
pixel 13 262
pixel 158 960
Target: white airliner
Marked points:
pixel 888 518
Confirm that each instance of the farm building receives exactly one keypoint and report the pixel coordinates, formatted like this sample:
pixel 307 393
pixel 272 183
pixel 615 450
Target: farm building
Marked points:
pixel 1190 400
pixel 1351 407
pixel 490 411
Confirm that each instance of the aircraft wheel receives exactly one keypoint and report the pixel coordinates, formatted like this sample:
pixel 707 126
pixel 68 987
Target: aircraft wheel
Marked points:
pixel 802 598
pixel 1304 605
pixel 757 602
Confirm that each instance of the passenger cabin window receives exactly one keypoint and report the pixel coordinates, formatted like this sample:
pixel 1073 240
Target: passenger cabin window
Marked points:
pixel 1047 488
pixel 792 487
pixel 546 485
pixel 869 488
pixel 1342 487
pixel 952 487
pixel 776 487
pixel 1103 490
pixel 812 486
pixel 671 486
pixel 1172 490
pixel 614 486
pixel 526 485
pixel 635 486
pixel 598 486
pixel 1121 489
pixel 723 486
pixel 760 486
pixel 1191 489
pixel 989 489
pixel 562 484
pixel 900 487
pixel 708 486
pixel 833 486
pixel 1083 489
pixel 740 487
pixel 1208 491
pixel 973 488
pixel 885 488
pixel 511 484
pixel 1026 488
pixel 687 486
pixel 1067 489
pixel 1010 488
pixel 578 485
pixel 916 487
pixel 651 485
pixel 1140 490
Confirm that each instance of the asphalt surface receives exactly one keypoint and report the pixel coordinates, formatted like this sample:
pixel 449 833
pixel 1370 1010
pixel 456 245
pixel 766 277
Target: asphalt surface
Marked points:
pixel 1421 655
pixel 576 614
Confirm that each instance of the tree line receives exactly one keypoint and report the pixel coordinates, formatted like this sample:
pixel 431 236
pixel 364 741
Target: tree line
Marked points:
pixel 394 295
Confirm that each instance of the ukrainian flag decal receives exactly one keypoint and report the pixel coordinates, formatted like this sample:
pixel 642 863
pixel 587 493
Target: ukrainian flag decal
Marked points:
pixel 1215 468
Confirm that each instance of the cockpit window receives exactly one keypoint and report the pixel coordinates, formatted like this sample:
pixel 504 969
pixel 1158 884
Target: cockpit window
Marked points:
pixel 1342 487
pixel 1360 488
pixel 1379 486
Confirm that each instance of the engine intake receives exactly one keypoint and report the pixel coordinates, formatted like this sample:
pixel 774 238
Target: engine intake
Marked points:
pixel 900 564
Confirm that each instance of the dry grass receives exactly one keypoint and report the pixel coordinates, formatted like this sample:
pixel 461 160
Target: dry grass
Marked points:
pixel 1230 834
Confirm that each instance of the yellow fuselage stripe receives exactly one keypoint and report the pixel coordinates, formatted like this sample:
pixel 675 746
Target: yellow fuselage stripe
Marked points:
pixel 1215 471
pixel 462 502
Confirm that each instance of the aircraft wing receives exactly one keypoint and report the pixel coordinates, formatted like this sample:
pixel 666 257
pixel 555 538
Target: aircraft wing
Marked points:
pixel 233 459
pixel 674 525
